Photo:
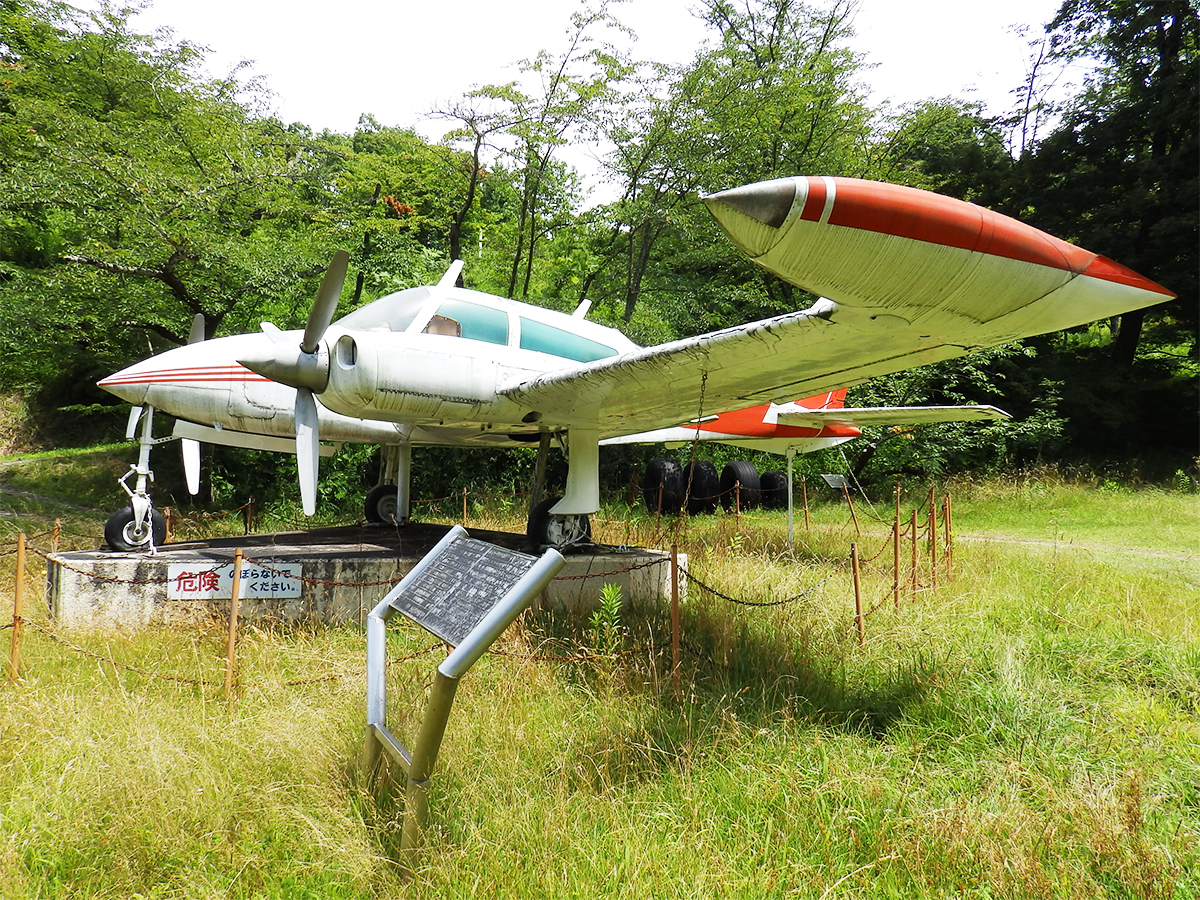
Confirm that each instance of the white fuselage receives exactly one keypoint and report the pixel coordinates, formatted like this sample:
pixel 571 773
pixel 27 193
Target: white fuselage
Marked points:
pixel 392 378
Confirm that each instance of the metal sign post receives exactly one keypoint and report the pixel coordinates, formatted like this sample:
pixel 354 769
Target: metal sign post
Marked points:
pixel 465 592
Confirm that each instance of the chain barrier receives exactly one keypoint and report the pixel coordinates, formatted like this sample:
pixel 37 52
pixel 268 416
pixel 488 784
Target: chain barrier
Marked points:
pixel 800 596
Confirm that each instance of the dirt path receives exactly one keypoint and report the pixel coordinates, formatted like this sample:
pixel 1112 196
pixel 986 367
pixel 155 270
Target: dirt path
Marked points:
pixel 1071 545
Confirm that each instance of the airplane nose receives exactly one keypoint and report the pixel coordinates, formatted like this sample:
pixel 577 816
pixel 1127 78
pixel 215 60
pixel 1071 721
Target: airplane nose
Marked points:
pixel 752 215
pixel 129 384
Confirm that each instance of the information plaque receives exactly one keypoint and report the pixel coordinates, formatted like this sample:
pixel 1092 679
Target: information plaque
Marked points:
pixel 458 588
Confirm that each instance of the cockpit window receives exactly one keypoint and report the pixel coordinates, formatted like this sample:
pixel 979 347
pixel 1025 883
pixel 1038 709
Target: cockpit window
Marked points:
pixel 474 322
pixel 395 312
pixel 557 342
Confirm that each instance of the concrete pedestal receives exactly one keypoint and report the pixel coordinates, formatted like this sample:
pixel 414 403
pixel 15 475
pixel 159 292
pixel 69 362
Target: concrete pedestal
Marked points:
pixel 344 573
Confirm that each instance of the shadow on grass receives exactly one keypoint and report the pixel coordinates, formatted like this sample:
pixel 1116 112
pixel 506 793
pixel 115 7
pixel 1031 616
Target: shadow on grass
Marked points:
pixel 736 686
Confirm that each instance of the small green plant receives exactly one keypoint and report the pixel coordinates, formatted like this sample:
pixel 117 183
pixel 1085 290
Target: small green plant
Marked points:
pixel 606 621
pixel 735 543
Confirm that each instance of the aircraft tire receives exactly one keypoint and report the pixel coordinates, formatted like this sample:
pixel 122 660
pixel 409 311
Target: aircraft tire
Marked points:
pixel 704 494
pixel 380 505
pixel 121 534
pixel 774 490
pixel 546 530
pixel 665 474
pixel 744 473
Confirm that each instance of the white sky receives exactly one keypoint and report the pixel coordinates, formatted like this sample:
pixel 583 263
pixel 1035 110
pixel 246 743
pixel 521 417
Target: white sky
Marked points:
pixel 328 64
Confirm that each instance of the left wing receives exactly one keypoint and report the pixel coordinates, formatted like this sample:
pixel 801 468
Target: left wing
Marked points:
pixel 912 278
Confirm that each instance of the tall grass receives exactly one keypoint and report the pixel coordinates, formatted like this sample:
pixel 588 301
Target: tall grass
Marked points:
pixel 1029 729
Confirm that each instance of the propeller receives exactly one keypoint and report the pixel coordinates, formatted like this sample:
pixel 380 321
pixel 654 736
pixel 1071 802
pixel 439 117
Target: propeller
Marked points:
pixel 188 447
pixel 306 368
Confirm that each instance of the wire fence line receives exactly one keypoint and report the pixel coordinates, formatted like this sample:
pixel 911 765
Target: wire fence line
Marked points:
pixel 927 533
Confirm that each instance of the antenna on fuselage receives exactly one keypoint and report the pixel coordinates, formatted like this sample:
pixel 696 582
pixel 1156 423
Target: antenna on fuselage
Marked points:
pixel 451 276
pixel 582 309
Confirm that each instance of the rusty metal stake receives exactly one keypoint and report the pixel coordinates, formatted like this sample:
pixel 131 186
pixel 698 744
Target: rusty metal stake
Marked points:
pixel 914 555
pixel 858 610
pixel 896 553
pixel 933 562
pixel 231 645
pixel 804 497
pixel 948 530
pixel 14 653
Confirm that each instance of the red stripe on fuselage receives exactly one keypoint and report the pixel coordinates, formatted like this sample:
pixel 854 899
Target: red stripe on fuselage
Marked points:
pixel 174 376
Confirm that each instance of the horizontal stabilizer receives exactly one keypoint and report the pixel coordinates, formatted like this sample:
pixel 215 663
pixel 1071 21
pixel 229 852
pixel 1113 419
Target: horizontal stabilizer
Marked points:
pixel 886 415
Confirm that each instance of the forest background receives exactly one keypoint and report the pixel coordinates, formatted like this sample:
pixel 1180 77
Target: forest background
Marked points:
pixel 137 191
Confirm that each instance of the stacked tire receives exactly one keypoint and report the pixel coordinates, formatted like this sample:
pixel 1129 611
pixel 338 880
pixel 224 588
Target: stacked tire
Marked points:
pixel 666 487
pixel 774 490
pixel 740 486
pixel 663 487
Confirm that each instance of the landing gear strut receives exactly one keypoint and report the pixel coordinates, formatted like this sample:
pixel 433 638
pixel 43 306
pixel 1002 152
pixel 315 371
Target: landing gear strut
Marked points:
pixel 388 502
pixel 138 526
pixel 566 522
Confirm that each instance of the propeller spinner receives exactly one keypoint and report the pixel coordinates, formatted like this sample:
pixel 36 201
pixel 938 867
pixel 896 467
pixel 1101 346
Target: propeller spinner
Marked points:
pixel 306 368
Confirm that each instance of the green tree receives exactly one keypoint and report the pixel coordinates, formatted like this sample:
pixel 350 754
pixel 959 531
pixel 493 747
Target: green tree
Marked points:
pixel 774 95
pixel 135 195
pixel 1121 173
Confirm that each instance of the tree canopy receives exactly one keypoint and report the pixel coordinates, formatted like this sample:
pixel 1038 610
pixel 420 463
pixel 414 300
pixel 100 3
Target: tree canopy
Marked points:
pixel 136 192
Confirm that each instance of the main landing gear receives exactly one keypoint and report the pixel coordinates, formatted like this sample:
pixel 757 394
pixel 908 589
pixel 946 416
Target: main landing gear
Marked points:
pixel 388 502
pixel 138 526
pixel 566 522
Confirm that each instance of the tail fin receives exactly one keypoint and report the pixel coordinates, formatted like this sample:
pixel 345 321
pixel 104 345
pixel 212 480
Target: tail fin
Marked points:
pixel 832 400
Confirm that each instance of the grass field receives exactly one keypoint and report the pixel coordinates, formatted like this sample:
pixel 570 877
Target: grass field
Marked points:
pixel 1029 729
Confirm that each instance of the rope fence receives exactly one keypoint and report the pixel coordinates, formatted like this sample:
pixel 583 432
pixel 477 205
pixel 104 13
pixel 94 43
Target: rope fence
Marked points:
pixel 917 534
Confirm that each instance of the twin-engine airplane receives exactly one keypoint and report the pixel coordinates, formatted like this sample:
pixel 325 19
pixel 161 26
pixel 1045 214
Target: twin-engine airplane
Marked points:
pixel 905 277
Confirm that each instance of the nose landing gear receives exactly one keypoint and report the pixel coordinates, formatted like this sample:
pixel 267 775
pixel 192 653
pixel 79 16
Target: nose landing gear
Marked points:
pixel 138 526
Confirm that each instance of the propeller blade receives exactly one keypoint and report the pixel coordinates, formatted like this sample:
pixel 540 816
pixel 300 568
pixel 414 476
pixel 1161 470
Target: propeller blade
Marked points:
pixel 307 448
pixel 191 464
pixel 196 335
pixel 326 303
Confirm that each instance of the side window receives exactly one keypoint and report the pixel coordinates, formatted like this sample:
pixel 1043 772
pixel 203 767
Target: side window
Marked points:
pixel 548 339
pixel 471 321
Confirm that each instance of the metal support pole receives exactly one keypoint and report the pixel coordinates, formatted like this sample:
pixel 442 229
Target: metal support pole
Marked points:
pixel 424 756
pixel 539 471
pixel 231 644
pixel 853 514
pixel 791 454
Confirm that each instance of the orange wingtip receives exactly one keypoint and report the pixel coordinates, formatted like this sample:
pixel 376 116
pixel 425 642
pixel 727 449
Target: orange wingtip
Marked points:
pixel 1104 268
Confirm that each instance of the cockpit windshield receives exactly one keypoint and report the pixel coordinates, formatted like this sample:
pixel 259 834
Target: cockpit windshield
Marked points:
pixel 395 312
